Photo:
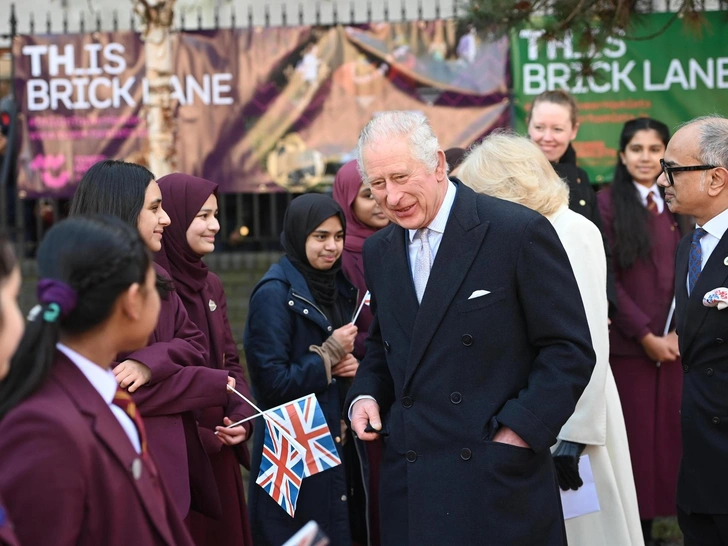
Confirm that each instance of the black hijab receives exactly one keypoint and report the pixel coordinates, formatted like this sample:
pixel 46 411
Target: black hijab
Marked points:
pixel 303 216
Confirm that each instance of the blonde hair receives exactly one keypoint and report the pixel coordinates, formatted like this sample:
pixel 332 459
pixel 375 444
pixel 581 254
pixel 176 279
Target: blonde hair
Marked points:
pixel 513 168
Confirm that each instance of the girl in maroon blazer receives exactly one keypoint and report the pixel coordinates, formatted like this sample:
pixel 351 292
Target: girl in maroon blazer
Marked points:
pixel 646 365
pixel 11 330
pixel 169 377
pixel 363 218
pixel 192 207
pixel 75 467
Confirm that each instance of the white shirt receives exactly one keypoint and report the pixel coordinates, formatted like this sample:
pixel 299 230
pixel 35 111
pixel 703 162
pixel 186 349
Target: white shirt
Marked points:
pixel 716 228
pixel 656 197
pixel 105 384
pixel 437 229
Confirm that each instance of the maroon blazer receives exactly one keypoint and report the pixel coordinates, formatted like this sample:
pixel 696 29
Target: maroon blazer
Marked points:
pixel 71 476
pixel 645 290
pixel 181 384
pixel 7 534
pixel 235 408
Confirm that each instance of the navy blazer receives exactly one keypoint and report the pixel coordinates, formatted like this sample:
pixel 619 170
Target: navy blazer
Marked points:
pixel 70 476
pixel 283 322
pixel 447 373
pixel 703 337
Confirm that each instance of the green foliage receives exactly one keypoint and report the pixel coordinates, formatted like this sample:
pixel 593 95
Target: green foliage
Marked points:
pixel 589 22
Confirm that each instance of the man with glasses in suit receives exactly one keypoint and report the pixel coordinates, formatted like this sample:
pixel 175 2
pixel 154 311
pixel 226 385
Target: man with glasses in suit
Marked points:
pixel 695 178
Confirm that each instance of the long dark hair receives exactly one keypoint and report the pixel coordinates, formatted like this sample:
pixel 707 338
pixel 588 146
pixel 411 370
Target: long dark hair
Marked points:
pixel 116 188
pixel 98 257
pixel 632 239
pixel 7 264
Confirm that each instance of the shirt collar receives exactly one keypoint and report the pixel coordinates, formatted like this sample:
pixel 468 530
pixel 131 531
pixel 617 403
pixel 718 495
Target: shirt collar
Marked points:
pixel 644 192
pixel 102 380
pixel 440 221
pixel 717 226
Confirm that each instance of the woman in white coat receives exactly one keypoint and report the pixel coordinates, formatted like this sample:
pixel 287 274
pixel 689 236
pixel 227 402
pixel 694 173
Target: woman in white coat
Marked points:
pixel 513 168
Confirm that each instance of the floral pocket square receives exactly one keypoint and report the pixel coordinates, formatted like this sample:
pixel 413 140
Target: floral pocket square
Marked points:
pixel 717 297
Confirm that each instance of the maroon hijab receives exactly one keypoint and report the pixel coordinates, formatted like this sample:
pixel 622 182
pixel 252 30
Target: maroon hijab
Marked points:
pixel 182 198
pixel 346 188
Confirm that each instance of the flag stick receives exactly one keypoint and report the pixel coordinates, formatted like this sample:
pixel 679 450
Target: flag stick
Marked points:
pixel 266 416
pixel 361 305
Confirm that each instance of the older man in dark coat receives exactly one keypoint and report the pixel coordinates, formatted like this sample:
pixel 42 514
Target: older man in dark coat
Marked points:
pixel 695 178
pixel 477 355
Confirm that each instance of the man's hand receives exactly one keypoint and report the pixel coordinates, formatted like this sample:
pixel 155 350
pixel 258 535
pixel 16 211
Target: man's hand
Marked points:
pixel 231 436
pixel 661 349
pixel 131 375
pixel 365 411
pixel 346 367
pixel 507 436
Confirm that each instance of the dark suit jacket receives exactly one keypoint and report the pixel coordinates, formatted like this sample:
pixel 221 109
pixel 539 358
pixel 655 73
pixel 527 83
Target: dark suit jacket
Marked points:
pixel 68 472
pixel 703 337
pixel 446 374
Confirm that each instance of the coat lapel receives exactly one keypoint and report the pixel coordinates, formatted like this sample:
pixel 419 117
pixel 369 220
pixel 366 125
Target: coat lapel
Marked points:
pixel 400 295
pixel 714 275
pixel 681 291
pixel 110 433
pixel 464 233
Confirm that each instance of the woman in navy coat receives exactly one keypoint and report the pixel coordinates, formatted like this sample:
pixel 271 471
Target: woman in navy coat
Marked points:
pixel 298 341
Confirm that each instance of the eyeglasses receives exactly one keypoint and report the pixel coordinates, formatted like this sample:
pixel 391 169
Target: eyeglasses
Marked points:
pixel 669 170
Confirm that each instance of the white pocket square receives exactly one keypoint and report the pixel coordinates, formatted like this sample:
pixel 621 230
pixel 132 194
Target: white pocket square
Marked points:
pixel 479 294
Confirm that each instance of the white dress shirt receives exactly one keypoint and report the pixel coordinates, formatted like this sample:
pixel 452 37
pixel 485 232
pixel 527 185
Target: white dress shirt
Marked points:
pixel 437 230
pixel 105 384
pixel 656 197
pixel 716 228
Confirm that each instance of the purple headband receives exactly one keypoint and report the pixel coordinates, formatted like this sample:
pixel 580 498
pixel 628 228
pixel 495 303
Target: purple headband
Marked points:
pixel 55 291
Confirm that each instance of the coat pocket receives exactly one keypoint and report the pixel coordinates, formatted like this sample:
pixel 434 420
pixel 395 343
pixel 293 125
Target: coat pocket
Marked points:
pixel 465 306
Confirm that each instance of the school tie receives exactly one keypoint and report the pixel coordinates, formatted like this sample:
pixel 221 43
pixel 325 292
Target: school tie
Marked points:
pixel 651 204
pixel 124 400
pixel 695 261
pixel 423 263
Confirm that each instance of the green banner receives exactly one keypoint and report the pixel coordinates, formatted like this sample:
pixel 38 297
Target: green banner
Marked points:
pixel 680 74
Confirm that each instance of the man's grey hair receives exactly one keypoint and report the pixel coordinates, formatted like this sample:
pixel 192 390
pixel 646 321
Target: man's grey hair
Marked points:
pixel 712 139
pixel 423 143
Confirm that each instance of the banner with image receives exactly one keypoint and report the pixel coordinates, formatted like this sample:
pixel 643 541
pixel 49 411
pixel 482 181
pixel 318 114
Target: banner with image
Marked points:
pixel 257 110
pixel 674 77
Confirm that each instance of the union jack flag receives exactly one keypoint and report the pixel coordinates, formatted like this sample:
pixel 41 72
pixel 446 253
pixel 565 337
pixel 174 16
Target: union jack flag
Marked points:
pixel 304 420
pixel 281 468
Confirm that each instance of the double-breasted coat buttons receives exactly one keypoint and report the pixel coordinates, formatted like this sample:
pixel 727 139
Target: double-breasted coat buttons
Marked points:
pixel 411 456
pixel 456 397
pixel 407 402
pixel 716 420
pixel 465 454
pixel 467 340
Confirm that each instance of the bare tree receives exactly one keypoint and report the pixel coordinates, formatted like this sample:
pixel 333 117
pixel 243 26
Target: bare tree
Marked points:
pixel 157 17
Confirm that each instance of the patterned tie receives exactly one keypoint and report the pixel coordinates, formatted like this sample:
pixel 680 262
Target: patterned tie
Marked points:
pixel 423 263
pixel 651 204
pixel 695 262
pixel 123 400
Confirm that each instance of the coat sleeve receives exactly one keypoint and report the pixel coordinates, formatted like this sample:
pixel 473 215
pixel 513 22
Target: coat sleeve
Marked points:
pixel 629 318
pixel 556 324
pixel 372 377
pixel 581 240
pixel 189 389
pixel 278 378
pixel 236 407
pixel 185 348
pixel 33 449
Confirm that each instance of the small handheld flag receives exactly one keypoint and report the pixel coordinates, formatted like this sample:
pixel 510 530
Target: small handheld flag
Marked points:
pixel 365 301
